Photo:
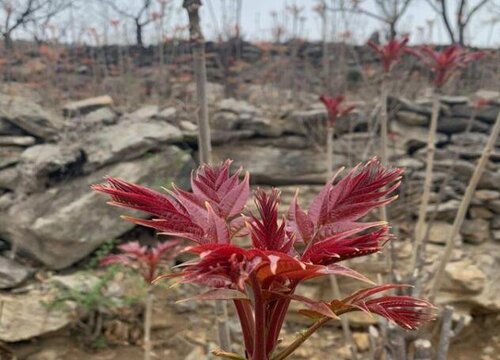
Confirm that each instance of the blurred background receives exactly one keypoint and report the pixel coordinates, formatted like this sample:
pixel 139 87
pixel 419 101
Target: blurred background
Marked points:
pixel 91 88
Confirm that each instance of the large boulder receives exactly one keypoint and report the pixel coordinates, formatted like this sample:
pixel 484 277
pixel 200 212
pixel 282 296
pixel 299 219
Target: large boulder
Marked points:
pixel 12 273
pixel 85 106
pixel 26 315
pixel 126 140
pixel 29 116
pixel 43 165
pixel 10 155
pixel 67 222
pixel 279 166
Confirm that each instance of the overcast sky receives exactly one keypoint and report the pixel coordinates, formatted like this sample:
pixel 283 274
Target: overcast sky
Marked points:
pixel 257 22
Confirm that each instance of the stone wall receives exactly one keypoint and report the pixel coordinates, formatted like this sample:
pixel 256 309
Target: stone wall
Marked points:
pixel 47 162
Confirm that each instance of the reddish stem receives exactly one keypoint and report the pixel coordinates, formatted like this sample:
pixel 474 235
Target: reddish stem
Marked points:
pixel 276 323
pixel 247 323
pixel 259 343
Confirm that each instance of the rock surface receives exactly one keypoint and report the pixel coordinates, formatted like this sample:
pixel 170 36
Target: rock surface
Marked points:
pixel 67 222
pixel 85 106
pixel 12 273
pixel 29 116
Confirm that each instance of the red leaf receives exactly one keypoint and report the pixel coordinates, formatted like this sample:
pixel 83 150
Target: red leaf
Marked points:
pixel 299 222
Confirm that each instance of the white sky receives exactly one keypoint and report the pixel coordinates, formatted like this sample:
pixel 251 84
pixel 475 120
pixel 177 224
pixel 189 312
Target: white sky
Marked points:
pixel 257 21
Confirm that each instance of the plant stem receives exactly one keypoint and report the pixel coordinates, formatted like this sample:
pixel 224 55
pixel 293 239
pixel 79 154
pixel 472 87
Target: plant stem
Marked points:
pixel 245 315
pixel 227 355
pixel 333 279
pixel 259 343
pixel 384 158
pixel 148 314
pixel 431 147
pixel 204 141
pixel 329 152
pixel 300 340
pixel 464 205
pixel 421 249
pixel 446 333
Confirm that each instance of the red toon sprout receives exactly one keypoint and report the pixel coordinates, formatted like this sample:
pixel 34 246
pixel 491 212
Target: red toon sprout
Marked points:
pixel 261 279
pixel 142 258
pixel 391 52
pixel 335 108
pixel 447 62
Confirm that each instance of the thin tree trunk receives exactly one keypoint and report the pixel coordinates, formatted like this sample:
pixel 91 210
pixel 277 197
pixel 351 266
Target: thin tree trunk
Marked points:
pixel 333 279
pixel 421 250
pixel 138 33
pixel 204 142
pixel 431 147
pixel 446 333
pixel 7 41
pixel 464 205
pixel 148 314
pixel 198 46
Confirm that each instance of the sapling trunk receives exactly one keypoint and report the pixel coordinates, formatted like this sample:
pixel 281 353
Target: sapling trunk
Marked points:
pixel 148 314
pixel 420 250
pixel 446 333
pixel 200 70
pixel 333 279
pixel 384 157
pixel 204 142
pixel 464 205
pixel 431 147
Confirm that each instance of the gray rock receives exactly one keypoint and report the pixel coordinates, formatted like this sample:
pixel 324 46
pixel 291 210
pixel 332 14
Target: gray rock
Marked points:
pixel 144 113
pixel 411 138
pixel 66 223
pixel 102 116
pixel 476 231
pixel 287 142
pixel 495 222
pixel 471 138
pixel 26 315
pixel 472 152
pixel 12 273
pixel 85 106
pixel 237 107
pixel 278 166
pixel 7 128
pixel 10 155
pixel 8 178
pixel 454 100
pixel 168 114
pixel 406 105
pixel 6 201
pixel 43 165
pixel 440 232
pixel 262 127
pixel 480 212
pixel 490 95
pixel 496 235
pixel 494 206
pixel 225 121
pixel 29 116
pixel 486 114
pixel 188 126
pixel 453 125
pixel 464 170
pixel 409 163
pixel 127 140
pixel 447 210
pixel 464 276
pixel 17 140
pixel 412 118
